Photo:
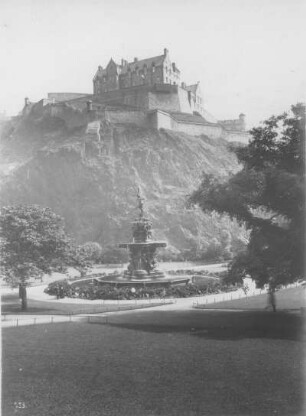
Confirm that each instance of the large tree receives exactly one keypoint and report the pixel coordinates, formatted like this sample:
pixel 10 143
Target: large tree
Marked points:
pixel 34 242
pixel 268 195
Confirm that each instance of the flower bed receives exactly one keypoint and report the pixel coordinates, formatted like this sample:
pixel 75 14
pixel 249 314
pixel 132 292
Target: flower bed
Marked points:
pixel 191 272
pixel 94 290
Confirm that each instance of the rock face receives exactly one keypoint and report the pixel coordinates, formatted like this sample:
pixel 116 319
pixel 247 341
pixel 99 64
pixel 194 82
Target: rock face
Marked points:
pixel 92 179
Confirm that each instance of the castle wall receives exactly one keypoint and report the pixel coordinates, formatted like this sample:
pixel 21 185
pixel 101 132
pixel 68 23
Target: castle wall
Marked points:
pixel 163 97
pixel 65 96
pixel 160 120
pixel 130 117
pixel 166 97
pixel 134 97
pixel 73 117
pixel 185 105
pixel 163 101
pixel 213 132
pixel 237 136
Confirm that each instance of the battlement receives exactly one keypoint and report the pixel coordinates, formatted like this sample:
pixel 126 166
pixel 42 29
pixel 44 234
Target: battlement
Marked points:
pixel 234 125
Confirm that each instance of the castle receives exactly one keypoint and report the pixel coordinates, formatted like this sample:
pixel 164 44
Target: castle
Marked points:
pixel 142 82
pixel 147 92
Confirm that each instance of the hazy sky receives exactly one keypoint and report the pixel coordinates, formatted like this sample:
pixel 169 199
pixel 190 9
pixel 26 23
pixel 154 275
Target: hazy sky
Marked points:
pixel 249 55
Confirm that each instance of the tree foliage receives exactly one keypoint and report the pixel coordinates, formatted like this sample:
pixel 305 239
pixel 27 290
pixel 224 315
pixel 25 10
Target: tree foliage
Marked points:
pixel 34 242
pixel 268 196
pixel 92 251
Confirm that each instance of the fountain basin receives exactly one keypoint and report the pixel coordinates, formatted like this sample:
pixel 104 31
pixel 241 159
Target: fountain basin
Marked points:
pixel 122 280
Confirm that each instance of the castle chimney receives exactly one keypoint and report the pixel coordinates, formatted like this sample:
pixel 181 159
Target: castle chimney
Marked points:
pixel 100 68
pixel 166 52
pixel 89 105
pixel 135 59
pixel 26 101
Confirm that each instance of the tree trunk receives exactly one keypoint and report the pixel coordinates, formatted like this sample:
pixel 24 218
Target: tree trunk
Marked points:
pixel 20 291
pixel 272 301
pixel 23 296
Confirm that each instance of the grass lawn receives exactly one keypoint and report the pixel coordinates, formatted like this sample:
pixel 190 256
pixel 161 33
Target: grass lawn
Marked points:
pixel 293 298
pixel 10 304
pixel 149 363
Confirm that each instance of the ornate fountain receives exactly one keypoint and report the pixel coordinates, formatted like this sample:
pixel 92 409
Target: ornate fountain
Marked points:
pixel 142 267
pixel 143 249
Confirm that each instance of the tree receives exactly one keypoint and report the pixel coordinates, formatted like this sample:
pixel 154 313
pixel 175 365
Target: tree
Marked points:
pixel 114 255
pixel 268 196
pixel 92 251
pixel 226 243
pixel 34 242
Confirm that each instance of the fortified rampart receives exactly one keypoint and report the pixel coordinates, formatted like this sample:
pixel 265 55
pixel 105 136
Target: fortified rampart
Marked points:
pixel 79 112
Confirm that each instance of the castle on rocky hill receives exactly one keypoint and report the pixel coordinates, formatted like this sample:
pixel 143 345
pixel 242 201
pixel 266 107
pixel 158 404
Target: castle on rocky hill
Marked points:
pixel 147 92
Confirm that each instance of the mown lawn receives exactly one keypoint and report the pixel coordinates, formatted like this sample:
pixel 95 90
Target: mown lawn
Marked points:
pixel 288 299
pixel 148 363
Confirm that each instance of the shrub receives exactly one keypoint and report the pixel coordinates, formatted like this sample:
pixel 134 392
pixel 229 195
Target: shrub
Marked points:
pixel 97 290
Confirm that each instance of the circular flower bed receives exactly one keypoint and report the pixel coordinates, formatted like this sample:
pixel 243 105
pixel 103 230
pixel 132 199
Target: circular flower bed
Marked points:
pixel 94 290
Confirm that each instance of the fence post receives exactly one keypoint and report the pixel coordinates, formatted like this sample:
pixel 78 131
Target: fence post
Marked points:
pixel 51 319
pixel 17 322
pixel 34 321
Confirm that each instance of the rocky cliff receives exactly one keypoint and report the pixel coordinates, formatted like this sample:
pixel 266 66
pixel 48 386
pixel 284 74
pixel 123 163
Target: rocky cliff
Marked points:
pixel 90 176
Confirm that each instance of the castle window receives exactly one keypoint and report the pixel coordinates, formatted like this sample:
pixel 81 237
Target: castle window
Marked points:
pixel 153 67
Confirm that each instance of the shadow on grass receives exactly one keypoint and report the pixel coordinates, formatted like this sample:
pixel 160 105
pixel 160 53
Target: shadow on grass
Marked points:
pixel 219 325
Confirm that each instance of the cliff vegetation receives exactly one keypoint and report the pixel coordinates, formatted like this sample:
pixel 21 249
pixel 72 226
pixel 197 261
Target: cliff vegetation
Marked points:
pixel 91 180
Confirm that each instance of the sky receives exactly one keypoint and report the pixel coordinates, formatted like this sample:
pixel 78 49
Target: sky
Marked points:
pixel 248 55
